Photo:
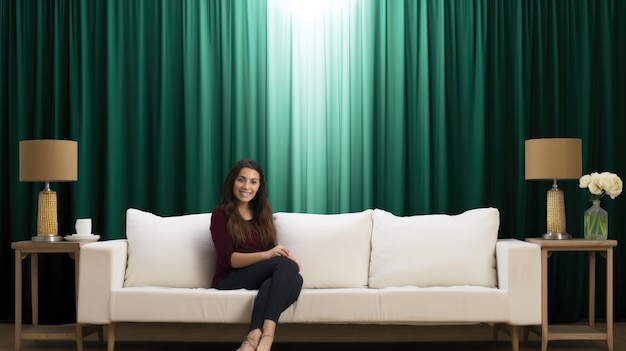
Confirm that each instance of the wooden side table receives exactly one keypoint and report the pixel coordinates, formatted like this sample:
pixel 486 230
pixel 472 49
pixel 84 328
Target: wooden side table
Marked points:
pixel 578 332
pixel 22 250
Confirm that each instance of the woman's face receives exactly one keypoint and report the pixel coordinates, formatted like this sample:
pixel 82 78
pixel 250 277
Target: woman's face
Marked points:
pixel 246 185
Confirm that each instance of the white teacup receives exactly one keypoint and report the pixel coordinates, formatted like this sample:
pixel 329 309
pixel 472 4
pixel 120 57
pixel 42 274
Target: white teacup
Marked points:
pixel 83 226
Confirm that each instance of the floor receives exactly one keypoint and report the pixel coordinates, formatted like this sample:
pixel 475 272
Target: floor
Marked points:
pixel 144 337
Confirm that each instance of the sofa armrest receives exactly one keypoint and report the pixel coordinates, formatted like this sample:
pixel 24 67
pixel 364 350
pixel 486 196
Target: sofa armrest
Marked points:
pixel 102 269
pixel 519 272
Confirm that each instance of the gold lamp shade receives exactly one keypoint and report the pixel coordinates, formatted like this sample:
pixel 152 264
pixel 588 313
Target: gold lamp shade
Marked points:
pixel 48 160
pixel 554 159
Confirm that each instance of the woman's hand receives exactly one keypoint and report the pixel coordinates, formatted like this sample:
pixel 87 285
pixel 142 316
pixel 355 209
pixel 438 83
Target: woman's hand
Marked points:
pixel 240 259
pixel 278 250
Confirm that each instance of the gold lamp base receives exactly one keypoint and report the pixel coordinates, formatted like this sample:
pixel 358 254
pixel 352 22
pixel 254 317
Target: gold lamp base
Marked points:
pixel 47 222
pixel 556 215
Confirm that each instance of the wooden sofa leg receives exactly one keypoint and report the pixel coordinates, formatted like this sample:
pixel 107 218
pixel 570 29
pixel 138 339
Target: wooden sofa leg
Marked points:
pixel 111 336
pixel 514 337
pixel 496 331
pixel 79 337
pixel 526 333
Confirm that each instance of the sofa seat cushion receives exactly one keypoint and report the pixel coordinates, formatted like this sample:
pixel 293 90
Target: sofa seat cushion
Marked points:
pixel 454 304
pixel 172 251
pixel 333 250
pixel 434 250
pixel 349 305
pixel 159 304
pixel 400 305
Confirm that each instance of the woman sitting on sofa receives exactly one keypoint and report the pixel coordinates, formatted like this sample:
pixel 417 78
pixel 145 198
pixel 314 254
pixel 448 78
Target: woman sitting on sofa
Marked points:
pixel 248 255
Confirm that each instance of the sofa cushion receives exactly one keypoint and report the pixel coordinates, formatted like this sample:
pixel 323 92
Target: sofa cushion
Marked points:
pixel 332 250
pixel 172 252
pixel 434 250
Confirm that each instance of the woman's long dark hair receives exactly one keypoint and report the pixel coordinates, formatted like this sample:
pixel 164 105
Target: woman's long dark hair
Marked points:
pixel 260 206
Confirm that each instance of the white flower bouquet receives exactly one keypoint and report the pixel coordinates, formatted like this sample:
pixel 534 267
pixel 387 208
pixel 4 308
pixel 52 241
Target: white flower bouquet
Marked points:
pixel 600 184
pixel 596 221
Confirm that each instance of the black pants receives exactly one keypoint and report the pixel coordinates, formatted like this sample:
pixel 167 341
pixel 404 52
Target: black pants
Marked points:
pixel 279 284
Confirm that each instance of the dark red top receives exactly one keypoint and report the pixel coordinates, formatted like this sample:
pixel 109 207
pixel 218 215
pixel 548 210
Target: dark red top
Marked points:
pixel 224 245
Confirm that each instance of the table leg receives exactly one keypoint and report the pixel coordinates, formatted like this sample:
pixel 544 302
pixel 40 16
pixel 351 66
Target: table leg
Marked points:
pixel 544 300
pixel 79 328
pixel 609 298
pixel 592 288
pixel 18 299
pixel 34 287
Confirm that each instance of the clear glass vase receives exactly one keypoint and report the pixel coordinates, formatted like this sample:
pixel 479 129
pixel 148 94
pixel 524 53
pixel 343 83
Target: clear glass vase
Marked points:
pixel 596 222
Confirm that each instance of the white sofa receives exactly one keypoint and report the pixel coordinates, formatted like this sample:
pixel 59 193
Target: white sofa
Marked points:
pixel 364 268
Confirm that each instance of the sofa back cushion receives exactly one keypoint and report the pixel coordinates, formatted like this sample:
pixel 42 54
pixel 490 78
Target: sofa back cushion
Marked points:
pixel 173 251
pixel 333 250
pixel 434 250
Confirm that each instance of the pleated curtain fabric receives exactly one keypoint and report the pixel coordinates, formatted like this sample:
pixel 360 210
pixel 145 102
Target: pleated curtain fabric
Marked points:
pixel 412 106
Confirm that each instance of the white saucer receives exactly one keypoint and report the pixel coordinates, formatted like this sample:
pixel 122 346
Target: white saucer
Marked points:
pixel 85 238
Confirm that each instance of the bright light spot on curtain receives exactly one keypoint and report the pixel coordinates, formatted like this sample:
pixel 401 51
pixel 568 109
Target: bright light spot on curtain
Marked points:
pixel 306 10
pixel 309 61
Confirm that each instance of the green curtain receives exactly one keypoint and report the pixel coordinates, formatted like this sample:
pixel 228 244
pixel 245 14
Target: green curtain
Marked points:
pixel 412 106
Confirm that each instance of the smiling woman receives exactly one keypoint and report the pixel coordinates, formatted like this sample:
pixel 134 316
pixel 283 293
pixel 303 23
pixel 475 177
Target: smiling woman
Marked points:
pixel 248 254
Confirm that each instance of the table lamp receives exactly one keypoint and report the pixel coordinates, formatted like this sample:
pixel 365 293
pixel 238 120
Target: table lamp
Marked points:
pixel 48 160
pixel 554 159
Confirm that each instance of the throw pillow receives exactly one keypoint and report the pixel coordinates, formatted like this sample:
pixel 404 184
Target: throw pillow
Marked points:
pixel 434 250
pixel 332 249
pixel 175 251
